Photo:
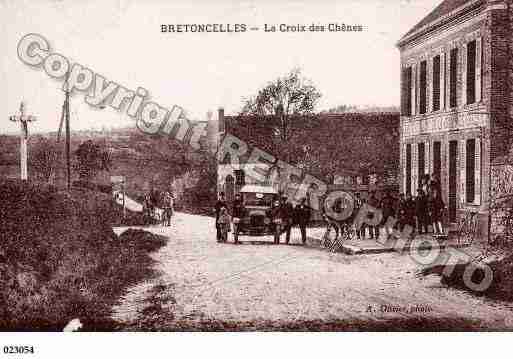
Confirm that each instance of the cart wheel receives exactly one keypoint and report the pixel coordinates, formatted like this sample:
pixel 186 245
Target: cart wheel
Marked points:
pixel 331 235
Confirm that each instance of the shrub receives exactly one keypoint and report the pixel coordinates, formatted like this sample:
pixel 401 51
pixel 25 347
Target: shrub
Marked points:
pixel 60 259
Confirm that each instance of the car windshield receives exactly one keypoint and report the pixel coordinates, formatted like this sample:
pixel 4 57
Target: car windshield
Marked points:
pixel 258 199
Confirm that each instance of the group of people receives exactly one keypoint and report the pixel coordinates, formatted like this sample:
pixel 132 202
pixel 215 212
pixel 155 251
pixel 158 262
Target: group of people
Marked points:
pixel 427 208
pixel 419 212
pixel 291 216
pixel 281 208
pixel 154 199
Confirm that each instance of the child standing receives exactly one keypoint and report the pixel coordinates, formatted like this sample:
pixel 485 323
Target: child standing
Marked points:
pixel 224 222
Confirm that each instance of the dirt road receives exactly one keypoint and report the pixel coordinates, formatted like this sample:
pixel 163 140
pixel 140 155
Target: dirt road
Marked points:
pixel 204 285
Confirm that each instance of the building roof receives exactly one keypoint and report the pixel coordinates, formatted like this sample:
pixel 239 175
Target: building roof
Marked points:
pixel 444 9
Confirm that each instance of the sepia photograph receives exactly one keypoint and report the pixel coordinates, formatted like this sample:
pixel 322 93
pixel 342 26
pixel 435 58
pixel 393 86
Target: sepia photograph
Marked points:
pixel 255 166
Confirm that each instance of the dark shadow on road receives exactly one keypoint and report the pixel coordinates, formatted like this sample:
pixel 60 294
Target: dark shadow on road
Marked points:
pixel 391 325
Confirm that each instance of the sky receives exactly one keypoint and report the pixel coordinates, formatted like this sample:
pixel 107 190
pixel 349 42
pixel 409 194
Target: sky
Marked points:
pixel 122 41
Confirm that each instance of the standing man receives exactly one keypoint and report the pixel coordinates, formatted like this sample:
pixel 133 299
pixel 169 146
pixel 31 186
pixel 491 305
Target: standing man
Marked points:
pixel 238 207
pixel 421 206
pixel 387 205
pixel 168 204
pixel 287 213
pixel 436 210
pixel 357 205
pixel 221 203
pixel 410 209
pixel 302 216
pixel 373 202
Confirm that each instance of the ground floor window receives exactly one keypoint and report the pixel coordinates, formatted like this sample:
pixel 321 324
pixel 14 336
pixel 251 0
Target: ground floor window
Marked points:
pixel 422 160
pixel 408 169
pixel 470 170
pixel 453 161
pixel 437 159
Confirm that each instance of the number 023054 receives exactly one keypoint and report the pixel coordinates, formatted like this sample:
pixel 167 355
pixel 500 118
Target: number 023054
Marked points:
pixel 18 349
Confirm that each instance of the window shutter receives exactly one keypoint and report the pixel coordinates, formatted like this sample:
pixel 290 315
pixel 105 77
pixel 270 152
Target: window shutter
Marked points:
pixel 429 84
pixel 477 176
pixel 448 75
pixel 428 156
pixel 442 81
pixel 462 159
pixel 417 92
pixel 464 74
pixel 414 89
pixel 403 160
pixel 415 166
pixel 479 57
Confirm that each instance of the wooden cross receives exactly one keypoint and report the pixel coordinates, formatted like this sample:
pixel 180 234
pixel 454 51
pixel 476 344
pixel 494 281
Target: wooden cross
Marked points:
pixel 23 119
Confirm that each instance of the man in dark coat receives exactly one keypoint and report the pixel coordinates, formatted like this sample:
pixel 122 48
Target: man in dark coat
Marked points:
pixel 357 205
pixel 287 215
pixel 387 205
pixel 410 210
pixel 400 212
pixel 374 202
pixel 238 207
pixel 219 204
pixel 422 211
pixel 302 214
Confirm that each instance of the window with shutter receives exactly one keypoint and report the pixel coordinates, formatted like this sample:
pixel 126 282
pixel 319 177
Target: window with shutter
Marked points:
pixel 453 68
pixel 462 162
pixel 408 188
pixel 477 175
pixel 470 170
pixel 436 83
pixel 422 160
pixel 437 159
pixel 453 158
pixel 471 72
pixel 414 172
pixel 407 91
pixel 479 57
pixel 423 87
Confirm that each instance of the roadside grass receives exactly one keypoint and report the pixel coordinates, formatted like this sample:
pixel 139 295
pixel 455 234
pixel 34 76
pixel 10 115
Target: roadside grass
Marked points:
pixel 60 259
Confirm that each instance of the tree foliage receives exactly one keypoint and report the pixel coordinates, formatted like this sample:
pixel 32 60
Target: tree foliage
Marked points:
pixel 287 96
pixel 43 158
pixel 90 159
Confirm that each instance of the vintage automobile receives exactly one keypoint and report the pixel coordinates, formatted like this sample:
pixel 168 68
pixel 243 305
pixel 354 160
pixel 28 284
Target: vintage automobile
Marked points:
pixel 256 214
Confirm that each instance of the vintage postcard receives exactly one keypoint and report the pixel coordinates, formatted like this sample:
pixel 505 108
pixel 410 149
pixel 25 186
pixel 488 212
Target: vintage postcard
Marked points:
pixel 256 166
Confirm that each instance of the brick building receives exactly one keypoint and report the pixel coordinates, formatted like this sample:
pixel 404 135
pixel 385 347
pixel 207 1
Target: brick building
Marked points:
pixel 456 101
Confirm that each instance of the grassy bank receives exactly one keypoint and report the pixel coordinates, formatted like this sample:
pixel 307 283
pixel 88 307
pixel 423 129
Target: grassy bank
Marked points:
pixel 59 258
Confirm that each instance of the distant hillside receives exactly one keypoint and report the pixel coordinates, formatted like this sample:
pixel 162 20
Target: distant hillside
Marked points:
pixel 146 161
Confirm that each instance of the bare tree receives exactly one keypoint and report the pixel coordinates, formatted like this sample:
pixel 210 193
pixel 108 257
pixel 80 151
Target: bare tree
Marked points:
pixel 287 96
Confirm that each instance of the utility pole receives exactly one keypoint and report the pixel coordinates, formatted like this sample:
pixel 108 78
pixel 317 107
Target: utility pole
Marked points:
pixel 66 118
pixel 23 119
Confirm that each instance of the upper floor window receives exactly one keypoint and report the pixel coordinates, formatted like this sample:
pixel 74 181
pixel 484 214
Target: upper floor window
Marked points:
pixel 436 83
pixel 423 88
pixel 471 72
pixel 453 68
pixel 406 91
